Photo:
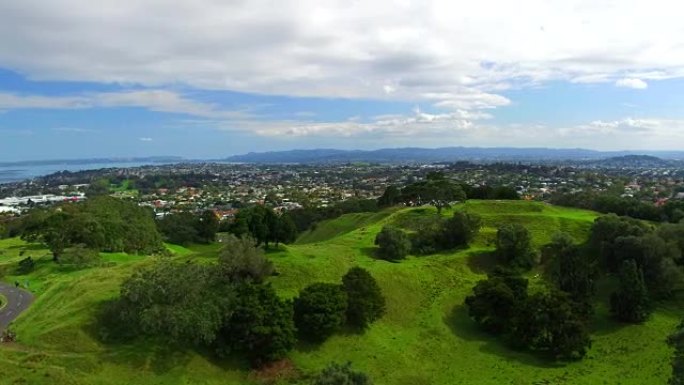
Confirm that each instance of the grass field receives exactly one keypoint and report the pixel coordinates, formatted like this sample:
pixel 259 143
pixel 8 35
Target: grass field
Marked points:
pixel 425 337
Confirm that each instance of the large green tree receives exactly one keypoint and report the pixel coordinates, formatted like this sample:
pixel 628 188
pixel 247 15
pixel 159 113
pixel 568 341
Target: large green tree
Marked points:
pixel 514 246
pixel 630 303
pixel 393 244
pixel 320 310
pixel 496 300
pixel 260 325
pixel 548 323
pixel 365 302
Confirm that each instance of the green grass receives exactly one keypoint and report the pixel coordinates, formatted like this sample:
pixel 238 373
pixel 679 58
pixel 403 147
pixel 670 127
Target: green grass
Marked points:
pixel 3 301
pixel 425 337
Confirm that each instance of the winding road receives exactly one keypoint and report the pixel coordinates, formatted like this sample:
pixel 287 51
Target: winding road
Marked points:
pixel 18 300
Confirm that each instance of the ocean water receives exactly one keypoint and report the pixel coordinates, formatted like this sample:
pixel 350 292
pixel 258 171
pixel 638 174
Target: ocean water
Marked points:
pixel 19 173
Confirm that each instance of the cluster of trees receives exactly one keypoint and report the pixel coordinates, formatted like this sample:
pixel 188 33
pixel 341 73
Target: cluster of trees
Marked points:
pixel 230 308
pixel 436 190
pixel 264 225
pixel 646 259
pixel 440 192
pixel 672 211
pixel 102 224
pixel 551 322
pixel 439 234
pixel 306 218
pixel 321 309
pixel 184 228
pixel 548 323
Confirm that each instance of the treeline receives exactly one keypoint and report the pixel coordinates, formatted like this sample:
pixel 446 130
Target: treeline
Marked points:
pixel 646 261
pixel 101 224
pixel 439 191
pixel 231 309
pixel 438 234
pixel 672 211
pixel 261 223
pixel 306 218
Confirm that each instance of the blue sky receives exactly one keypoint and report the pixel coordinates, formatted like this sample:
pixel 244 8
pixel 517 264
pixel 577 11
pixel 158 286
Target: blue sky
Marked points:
pixel 207 79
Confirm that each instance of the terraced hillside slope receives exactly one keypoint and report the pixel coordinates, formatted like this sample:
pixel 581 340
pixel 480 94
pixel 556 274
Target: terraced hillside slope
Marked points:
pixel 425 337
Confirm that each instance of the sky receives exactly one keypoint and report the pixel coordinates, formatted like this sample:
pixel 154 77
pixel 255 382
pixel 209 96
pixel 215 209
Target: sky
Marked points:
pixel 212 78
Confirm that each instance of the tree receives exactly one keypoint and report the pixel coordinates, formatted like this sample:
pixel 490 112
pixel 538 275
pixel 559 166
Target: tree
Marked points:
pixel 239 260
pixel 495 301
pixel 179 228
pixel 630 303
pixel 605 230
pixel 286 230
pixel 676 340
pixel 571 269
pixel 26 266
pixel 336 374
pixel 365 302
pixel 459 230
pixel 655 258
pixel 390 197
pixel 80 256
pixel 175 301
pixel 320 310
pixel 260 325
pixel 514 246
pixel 207 225
pixel 547 323
pixel 393 244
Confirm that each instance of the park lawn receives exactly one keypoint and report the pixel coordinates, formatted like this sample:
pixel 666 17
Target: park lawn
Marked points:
pixel 425 337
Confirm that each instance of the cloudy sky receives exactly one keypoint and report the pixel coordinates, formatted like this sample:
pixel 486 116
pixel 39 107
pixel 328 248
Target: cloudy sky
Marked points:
pixel 210 78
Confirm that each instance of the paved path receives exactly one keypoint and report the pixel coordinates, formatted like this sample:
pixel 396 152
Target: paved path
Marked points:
pixel 18 300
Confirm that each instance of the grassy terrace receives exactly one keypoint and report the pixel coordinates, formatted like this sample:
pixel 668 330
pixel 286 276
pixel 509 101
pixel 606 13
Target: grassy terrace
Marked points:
pixel 425 337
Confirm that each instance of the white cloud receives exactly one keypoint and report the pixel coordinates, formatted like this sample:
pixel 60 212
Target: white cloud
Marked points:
pixel 145 139
pixel 466 51
pixel 632 83
pixel 154 100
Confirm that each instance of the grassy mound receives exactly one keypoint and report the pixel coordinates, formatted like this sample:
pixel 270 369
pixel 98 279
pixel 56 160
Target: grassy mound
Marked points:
pixel 425 337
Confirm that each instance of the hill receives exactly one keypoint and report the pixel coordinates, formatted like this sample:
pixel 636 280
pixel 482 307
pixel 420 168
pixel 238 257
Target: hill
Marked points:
pixel 429 155
pixel 425 337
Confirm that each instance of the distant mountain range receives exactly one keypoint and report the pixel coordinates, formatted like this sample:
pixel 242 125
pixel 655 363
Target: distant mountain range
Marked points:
pixel 451 154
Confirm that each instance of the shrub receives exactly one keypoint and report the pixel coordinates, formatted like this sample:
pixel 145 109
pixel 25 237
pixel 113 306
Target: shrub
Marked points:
pixel 393 244
pixel 365 302
pixel 320 310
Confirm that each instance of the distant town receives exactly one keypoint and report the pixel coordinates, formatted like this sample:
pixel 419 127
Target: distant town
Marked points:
pixel 225 188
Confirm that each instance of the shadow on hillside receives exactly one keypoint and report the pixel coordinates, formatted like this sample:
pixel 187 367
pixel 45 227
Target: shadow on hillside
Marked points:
pixel 482 262
pixel 370 252
pixel 29 247
pixel 464 328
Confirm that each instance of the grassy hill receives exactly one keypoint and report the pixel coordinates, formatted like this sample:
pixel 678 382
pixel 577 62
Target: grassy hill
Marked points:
pixel 425 337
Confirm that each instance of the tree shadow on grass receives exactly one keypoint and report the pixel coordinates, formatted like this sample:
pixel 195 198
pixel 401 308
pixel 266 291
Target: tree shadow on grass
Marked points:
pixel 370 252
pixel 464 328
pixel 482 262
pixel 29 247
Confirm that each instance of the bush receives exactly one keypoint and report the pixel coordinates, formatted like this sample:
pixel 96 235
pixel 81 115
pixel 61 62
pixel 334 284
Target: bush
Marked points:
pixel 320 310
pixel 496 300
pixel 336 374
pixel 240 260
pixel 365 302
pixel 549 324
pixel 514 246
pixel 393 244
pixel 630 303
pixel 259 325
pixel 459 230
pixel 26 266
